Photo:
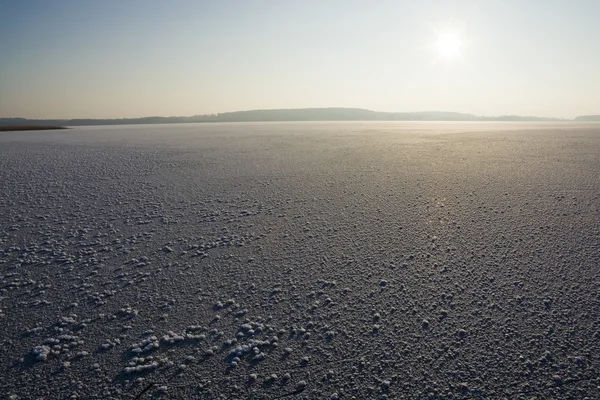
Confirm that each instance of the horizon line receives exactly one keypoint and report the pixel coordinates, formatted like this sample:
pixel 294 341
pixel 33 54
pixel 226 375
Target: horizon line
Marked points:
pixel 356 109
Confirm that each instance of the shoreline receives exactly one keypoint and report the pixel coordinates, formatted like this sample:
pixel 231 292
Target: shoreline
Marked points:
pixel 30 128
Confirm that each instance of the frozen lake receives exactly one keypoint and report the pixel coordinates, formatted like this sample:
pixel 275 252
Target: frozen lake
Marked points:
pixel 308 260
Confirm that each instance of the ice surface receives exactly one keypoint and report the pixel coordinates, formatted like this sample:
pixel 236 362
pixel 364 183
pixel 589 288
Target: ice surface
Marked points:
pixel 308 260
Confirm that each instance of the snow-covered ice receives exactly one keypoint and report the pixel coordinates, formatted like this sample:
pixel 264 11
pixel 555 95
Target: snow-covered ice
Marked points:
pixel 301 260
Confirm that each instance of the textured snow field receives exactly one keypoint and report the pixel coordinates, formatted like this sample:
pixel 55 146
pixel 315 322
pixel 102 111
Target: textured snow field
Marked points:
pixel 301 260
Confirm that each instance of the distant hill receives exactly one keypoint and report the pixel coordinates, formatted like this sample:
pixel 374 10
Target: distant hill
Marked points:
pixel 588 118
pixel 300 114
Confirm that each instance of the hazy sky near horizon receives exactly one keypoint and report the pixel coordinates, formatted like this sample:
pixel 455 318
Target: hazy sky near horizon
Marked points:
pixel 114 58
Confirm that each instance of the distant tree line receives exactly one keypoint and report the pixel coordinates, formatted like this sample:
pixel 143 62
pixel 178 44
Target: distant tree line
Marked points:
pixel 302 114
pixel 588 118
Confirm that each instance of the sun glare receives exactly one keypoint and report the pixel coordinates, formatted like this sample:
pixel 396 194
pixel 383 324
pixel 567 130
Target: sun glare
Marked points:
pixel 448 45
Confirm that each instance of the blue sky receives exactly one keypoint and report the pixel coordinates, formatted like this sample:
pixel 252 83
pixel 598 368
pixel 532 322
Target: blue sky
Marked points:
pixel 104 59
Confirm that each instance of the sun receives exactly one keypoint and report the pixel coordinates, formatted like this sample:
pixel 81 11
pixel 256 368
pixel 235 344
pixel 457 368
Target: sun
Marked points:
pixel 448 45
